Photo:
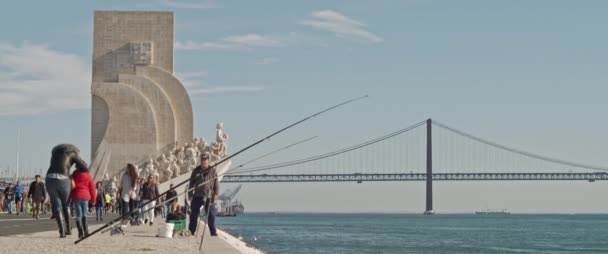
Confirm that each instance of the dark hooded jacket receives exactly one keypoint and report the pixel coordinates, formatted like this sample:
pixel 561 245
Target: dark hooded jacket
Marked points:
pixel 63 156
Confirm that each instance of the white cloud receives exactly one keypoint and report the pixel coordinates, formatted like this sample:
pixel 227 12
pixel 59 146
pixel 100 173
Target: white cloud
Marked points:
pixel 191 45
pixel 267 60
pixel 191 74
pixel 254 40
pixel 341 25
pixel 35 79
pixel 196 85
pixel 191 79
pixel 235 42
pixel 225 89
pixel 188 5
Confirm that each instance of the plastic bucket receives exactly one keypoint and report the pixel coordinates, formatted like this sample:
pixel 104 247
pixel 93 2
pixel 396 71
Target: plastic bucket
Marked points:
pixel 166 231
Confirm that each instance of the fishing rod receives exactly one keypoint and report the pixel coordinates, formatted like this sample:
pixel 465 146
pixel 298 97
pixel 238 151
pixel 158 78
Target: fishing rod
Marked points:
pixel 200 246
pixel 230 157
pixel 160 204
pixel 273 152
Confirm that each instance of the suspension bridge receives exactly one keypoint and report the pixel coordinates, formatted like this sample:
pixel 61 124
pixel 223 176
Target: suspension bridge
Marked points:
pixel 427 151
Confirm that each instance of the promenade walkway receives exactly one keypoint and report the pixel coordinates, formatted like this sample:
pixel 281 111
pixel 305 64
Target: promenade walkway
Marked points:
pixel 137 239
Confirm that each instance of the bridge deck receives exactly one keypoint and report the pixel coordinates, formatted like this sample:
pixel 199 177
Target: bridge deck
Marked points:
pixel 416 177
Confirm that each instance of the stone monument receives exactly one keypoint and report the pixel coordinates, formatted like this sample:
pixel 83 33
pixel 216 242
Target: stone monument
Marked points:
pixel 139 108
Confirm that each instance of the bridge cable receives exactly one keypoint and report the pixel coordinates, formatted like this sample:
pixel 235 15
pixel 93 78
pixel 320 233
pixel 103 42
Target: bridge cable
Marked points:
pixel 517 151
pixel 327 155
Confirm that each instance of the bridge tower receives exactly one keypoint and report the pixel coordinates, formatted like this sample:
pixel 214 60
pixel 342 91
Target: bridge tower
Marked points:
pixel 429 167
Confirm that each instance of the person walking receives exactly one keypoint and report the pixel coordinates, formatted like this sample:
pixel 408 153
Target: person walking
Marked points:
pixel 108 201
pixel 37 194
pixel 150 198
pixel 83 192
pixel 18 198
pixel 58 183
pixel 100 202
pixel 9 197
pixel 203 195
pixel 128 190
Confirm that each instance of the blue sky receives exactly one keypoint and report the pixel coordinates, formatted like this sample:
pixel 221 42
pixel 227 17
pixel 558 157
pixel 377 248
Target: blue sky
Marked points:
pixel 528 74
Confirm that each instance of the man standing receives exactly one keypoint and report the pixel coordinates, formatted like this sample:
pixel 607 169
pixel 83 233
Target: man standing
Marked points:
pixel 9 196
pixel 171 199
pixel 203 194
pixel 37 194
pixel 18 197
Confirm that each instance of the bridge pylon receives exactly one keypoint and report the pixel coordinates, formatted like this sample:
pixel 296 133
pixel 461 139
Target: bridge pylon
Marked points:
pixel 429 167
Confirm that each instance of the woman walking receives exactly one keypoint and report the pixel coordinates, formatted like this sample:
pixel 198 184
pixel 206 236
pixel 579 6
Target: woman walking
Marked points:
pixel 58 183
pixel 100 202
pixel 83 192
pixel 150 194
pixel 128 190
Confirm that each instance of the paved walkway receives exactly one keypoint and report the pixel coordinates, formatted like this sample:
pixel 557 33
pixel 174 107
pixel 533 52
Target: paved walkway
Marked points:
pixel 25 224
pixel 137 239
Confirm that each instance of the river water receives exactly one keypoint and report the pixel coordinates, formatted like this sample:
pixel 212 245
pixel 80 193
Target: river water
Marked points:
pixel 408 233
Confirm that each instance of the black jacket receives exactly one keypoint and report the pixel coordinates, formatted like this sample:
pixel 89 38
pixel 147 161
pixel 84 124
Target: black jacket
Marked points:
pixel 171 194
pixel 149 192
pixel 9 193
pixel 37 190
pixel 63 156
pixel 200 176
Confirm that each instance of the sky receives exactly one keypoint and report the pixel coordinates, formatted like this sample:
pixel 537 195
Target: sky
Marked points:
pixel 527 74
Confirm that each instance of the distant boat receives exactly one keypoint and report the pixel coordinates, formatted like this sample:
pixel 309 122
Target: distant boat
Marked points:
pixel 493 212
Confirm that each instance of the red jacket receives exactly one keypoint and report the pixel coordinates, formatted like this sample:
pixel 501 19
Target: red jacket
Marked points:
pixel 84 187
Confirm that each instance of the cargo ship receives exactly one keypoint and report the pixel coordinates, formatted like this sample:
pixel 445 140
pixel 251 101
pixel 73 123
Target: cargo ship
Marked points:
pixel 493 212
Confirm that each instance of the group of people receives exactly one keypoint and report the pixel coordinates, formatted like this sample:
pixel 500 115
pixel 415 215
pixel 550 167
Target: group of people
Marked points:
pixel 64 189
pixel 137 198
pixel 13 195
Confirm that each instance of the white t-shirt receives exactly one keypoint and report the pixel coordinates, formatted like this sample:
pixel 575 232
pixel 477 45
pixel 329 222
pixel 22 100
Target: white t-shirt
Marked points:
pixel 128 191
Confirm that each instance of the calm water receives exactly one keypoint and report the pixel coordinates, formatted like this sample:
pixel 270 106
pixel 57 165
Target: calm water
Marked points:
pixel 399 233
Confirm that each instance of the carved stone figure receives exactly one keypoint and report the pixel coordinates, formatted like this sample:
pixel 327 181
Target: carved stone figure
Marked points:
pixel 221 136
pixel 174 168
pixel 201 146
pixel 114 186
pixel 214 155
pixel 151 170
pixel 138 170
pixel 180 154
pixel 165 169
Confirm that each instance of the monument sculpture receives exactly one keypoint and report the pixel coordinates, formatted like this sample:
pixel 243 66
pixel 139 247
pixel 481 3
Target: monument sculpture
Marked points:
pixel 139 108
pixel 141 113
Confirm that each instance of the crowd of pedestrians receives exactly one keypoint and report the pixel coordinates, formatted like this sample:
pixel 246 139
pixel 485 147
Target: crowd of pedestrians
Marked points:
pixel 77 196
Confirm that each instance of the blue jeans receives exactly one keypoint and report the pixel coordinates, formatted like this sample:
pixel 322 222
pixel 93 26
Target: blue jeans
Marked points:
pixel 125 208
pixel 195 207
pixel 9 206
pixel 59 191
pixel 82 208
pixel 99 212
